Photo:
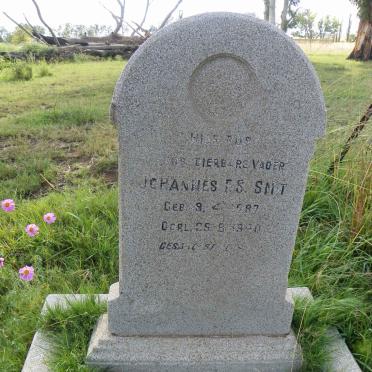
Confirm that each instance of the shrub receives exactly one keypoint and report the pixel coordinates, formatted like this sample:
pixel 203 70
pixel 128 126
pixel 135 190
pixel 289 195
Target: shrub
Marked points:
pixel 4 64
pixel 81 57
pixel 19 36
pixel 21 71
pixel 38 51
pixel 44 70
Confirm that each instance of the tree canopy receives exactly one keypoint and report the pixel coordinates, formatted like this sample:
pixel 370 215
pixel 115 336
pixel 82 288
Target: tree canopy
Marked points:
pixel 305 22
pixel 364 9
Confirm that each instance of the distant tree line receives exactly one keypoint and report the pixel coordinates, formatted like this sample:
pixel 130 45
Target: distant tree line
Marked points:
pixel 304 24
pixel 69 30
pixel 328 27
pixel 303 21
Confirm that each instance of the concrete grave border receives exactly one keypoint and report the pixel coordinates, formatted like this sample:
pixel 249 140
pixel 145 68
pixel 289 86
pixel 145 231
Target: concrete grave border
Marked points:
pixel 341 359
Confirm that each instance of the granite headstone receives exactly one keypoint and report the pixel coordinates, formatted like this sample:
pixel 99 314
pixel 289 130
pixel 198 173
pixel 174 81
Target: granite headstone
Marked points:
pixel 218 116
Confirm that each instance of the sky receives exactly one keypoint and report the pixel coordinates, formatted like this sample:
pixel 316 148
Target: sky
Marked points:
pixel 92 12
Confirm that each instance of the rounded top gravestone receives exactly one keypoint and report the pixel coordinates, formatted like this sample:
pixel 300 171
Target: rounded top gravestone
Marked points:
pixel 222 66
pixel 218 116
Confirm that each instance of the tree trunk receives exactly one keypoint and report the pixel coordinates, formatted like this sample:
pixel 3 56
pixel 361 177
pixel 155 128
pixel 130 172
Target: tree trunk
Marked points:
pixel 272 12
pixel 339 33
pixel 348 29
pixel 267 10
pixel 363 43
pixel 284 23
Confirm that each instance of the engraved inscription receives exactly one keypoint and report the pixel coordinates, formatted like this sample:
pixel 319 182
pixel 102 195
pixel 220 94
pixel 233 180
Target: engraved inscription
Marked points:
pixel 228 185
pixel 256 164
pixel 200 138
pixel 239 186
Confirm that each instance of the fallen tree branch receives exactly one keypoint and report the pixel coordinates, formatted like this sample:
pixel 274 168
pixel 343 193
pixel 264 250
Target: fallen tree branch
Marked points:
pixel 113 15
pixel 355 133
pixel 44 23
pixel 37 35
pixel 139 26
pixel 51 41
pixel 134 30
pixel 166 19
pixel 21 27
pixel 28 22
pixel 118 19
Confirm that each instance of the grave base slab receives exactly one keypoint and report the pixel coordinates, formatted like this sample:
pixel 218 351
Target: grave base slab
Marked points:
pixel 192 354
pixel 340 357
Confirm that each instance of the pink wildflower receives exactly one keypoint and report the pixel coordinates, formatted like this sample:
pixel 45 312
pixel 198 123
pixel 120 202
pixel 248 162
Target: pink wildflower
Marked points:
pixel 32 229
pixel 2 261
pixel 8 205
pixel 26 273
pixel 49 218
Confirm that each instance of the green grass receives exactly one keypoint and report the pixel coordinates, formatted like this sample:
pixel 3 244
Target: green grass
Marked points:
pixel 44 70
pixel 60 136
pixel 69 329
pixel 58 152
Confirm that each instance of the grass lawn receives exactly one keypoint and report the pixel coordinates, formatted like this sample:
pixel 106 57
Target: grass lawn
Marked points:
pixel 58 152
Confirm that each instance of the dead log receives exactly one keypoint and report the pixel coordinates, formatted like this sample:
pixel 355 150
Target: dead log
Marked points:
pixel 110 39
pixel 102 47
pixel 51 40
pixel 98 50
pixel 87 40
pixel 68 52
